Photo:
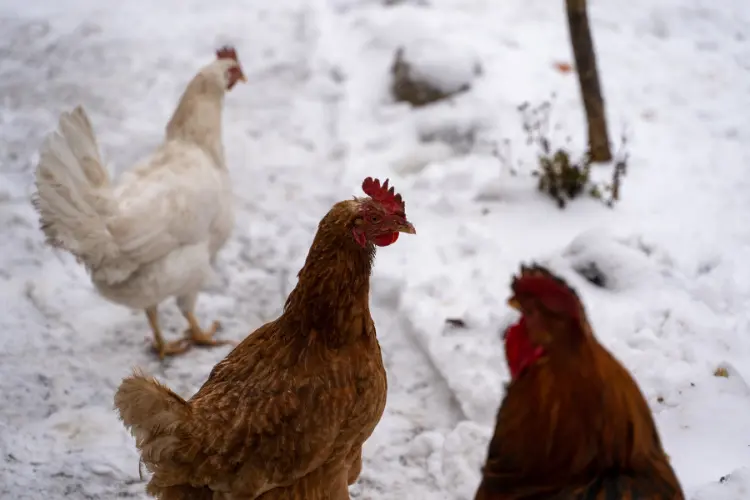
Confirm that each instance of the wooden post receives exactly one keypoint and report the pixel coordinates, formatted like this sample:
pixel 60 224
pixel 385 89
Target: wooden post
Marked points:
pixel 588 78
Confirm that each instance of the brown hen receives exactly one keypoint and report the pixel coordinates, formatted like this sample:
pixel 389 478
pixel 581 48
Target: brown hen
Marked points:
pixel 573 424
pixel 285 414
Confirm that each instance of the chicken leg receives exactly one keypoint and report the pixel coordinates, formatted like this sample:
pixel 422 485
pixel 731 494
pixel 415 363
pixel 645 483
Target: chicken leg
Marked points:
pixel 199 336
pixel 162 348
pixel 195 335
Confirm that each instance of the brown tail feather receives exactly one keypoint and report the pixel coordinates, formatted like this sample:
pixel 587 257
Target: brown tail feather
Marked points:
pixel 154 414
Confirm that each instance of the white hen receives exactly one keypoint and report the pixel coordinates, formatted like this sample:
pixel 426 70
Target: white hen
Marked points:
pixel 155 234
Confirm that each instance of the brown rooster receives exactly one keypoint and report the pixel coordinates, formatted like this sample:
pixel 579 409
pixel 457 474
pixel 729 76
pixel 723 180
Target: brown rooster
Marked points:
pixel 574 424
pixel 285 414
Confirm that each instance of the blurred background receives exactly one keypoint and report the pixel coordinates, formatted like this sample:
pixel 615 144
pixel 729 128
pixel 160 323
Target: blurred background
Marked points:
pixel 474 110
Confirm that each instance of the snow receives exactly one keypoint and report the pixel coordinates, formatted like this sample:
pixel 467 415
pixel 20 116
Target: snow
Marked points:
pixel 316 118
pixel 446 66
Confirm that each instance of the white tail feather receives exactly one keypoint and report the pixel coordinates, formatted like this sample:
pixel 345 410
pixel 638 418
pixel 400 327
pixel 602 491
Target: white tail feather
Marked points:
pixel 73 196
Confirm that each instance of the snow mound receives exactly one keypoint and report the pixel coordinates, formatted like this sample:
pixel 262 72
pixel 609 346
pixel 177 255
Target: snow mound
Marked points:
pixel 445 66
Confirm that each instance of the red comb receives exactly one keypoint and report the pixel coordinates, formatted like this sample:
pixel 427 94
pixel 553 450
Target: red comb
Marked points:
pixel 226 52
pixel 388 198
pixel 538 282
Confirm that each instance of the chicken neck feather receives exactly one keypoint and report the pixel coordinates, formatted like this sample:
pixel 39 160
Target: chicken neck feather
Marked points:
pixel 197 119
pixel 332 295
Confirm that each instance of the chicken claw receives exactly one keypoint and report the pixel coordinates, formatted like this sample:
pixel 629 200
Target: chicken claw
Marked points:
pixel 198 336
pixel 171 348
pixel 194 335
pixel 164 349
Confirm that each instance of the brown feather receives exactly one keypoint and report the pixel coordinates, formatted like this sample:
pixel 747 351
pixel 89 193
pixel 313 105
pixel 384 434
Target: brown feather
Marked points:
pixel 575 425
pixel 285 414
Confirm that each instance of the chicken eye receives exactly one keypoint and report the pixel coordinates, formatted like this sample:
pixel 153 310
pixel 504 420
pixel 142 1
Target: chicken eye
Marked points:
pixel 374 219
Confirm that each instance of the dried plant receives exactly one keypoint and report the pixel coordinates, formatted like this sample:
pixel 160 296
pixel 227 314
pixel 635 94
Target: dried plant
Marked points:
pixel 561 175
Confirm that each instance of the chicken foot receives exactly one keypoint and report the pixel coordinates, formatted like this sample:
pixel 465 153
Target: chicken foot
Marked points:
pixel 199 336
pixel 195 335
pixel 161 347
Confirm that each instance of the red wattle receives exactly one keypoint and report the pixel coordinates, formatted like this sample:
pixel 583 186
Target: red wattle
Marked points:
pixel 386 239
pixel 520 352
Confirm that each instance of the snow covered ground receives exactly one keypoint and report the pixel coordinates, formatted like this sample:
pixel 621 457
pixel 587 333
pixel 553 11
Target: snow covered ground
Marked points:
pixel 314 119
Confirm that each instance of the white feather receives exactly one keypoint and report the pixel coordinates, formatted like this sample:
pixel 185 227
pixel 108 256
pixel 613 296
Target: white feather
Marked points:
pixel 154 234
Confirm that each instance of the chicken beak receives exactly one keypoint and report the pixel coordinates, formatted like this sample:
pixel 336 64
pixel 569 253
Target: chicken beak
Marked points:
pixel 407 228
pixel 243 78
pixel 514 303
